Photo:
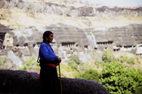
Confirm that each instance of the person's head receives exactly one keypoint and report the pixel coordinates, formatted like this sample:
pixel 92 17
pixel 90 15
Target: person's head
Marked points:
pixel 47 36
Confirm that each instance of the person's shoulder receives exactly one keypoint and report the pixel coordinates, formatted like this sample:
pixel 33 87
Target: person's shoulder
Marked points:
pixel 43 44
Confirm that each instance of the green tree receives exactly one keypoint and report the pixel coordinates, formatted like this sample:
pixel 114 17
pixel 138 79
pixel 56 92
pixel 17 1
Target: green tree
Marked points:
pixel 119 80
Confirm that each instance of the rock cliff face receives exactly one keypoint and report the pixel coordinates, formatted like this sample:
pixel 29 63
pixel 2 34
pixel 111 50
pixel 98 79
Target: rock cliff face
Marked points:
pixel 22 82
pixel 3 31
pixel 62 34
pixel 126 36
pixel 73 37
pixel 72 40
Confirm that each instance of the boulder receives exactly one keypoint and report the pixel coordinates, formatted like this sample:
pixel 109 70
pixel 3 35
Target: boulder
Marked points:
pixel 23 82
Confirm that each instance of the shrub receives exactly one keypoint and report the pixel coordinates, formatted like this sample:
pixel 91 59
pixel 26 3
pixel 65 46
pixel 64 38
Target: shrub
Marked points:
pixel 74 61
pixel 75 58
pixel 4 64
pixel 67 71
pixel 138 90
pixel 129 60
pixel 140 71
pixel 122 58
pixel 73 69
pixel 108 56
pixel 118 80
pixel 30 64
pixel 3 59
pixel 91 74
pixel 99 63
pixel 73 64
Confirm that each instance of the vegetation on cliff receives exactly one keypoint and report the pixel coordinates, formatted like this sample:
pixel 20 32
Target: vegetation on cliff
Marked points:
pixel 5 64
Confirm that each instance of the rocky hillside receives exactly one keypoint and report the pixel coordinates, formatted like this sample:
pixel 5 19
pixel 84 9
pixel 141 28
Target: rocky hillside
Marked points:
pixel 22 82
pixel 15 14
pixel 81 29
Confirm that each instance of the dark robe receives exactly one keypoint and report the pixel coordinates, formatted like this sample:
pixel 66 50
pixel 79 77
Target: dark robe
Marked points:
pixel 49 80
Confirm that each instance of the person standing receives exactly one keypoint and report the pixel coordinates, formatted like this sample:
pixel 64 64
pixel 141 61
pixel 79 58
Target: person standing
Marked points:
pixel 48 62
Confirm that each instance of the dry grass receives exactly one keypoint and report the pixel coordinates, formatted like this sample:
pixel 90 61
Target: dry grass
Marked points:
pixel 137 65
pixel 137 61
pixel 19 19
pixel 16 19
pixel 92 64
